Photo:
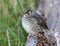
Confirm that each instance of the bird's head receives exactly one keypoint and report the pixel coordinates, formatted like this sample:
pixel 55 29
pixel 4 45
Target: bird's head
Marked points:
pixel 28 12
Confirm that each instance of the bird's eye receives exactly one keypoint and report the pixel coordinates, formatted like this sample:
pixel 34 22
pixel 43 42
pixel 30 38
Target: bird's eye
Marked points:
pixel 28 11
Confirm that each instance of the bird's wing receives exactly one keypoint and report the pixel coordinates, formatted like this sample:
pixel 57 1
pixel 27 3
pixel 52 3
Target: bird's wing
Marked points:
pixel 35 25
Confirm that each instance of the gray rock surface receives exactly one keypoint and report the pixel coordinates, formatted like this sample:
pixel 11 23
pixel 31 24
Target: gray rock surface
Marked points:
pixel 31 41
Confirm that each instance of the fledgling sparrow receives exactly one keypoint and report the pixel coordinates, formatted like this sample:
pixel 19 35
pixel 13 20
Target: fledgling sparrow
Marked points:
pixel 30 24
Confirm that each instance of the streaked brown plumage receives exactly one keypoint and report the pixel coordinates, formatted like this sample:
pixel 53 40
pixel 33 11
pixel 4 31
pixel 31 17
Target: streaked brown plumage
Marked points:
pixel 31 23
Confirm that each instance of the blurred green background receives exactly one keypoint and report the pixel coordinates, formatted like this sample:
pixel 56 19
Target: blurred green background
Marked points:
pixel 11 30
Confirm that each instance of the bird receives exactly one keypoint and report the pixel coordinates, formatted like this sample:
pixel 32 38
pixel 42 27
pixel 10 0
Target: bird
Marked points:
pixel 30 23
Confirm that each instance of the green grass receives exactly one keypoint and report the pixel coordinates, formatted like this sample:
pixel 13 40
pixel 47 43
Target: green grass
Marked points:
pixel 11 12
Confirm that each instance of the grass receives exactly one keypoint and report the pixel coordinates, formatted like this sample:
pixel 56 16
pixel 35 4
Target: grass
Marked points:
pixel 11 12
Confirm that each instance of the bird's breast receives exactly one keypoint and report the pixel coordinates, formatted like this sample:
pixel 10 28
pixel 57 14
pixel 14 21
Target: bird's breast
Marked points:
pixel 30 25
